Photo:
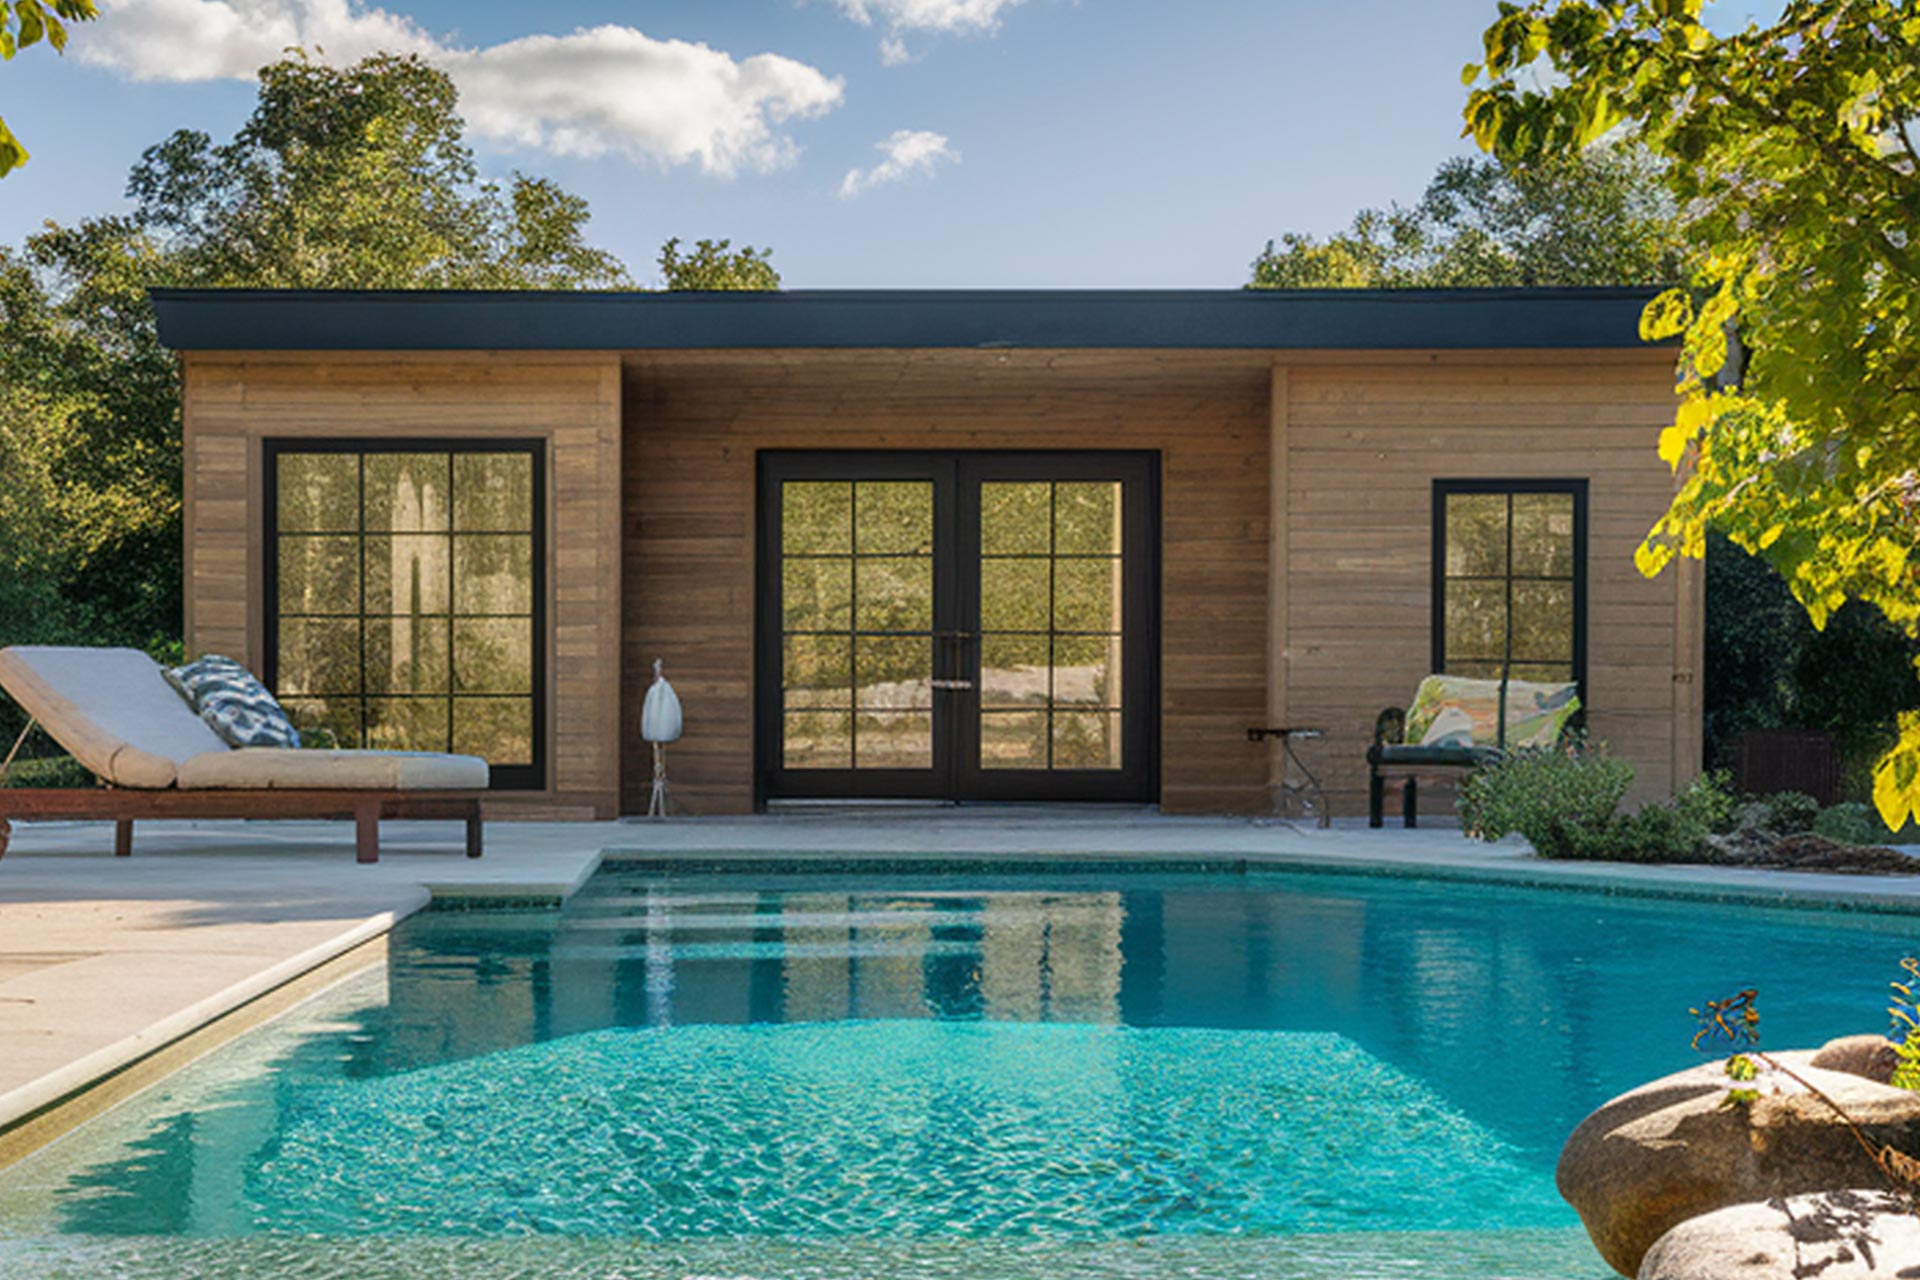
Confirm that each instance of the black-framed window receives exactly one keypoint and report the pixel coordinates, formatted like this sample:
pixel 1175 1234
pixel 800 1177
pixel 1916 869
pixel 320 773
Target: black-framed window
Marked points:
pixel 1510 578
pixel 406 595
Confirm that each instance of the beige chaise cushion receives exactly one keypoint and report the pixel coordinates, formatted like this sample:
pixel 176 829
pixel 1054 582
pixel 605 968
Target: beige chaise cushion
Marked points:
pixel 280 769
pixel 112 710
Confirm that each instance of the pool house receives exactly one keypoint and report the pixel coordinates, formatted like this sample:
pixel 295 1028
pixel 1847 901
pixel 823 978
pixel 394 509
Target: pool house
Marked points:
pixel 1032 545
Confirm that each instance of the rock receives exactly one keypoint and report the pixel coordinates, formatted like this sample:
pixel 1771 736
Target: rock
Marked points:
pixel 1835 1235
pixel 1870 1057
pixel 1668 1151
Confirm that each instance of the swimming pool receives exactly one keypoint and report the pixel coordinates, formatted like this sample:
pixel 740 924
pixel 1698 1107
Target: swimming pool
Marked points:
pixel 1085 1070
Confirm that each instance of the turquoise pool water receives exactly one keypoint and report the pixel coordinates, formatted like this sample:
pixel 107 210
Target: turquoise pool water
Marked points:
pixel 1093 1072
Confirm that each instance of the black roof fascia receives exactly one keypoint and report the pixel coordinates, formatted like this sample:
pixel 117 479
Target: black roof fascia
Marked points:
pixel 1356 319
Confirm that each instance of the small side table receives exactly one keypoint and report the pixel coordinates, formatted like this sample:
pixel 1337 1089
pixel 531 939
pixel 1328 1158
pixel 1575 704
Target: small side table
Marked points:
pixel 1297 788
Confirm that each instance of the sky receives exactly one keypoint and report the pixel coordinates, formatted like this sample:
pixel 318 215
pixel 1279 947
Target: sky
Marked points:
pixel 868 143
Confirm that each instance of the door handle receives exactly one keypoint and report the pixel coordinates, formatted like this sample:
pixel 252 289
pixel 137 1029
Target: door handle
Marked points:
pixel 950 684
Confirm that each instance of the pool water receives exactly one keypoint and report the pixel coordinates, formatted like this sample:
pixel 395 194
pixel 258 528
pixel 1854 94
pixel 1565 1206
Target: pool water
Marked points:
pixel 1088 1072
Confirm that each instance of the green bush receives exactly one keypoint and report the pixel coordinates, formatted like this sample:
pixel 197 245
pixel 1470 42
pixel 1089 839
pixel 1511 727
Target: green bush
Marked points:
pixel 1562 799
pixel 1852 823
pixel 1791 813
pixel 1659 833
pixel 56 771
pixel 1709 801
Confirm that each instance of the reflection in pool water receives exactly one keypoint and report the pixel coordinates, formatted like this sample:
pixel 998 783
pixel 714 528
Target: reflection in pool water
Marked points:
pixel 1043 1061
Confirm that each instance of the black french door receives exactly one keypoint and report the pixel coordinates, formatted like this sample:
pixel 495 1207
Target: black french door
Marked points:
pixel 969 626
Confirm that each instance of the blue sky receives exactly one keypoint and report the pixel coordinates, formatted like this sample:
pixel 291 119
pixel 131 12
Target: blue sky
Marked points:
pixel 1141 143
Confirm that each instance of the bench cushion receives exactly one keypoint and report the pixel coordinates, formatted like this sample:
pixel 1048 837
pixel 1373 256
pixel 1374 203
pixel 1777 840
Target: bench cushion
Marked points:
pixel 281 769
pixel 1460 711
pixel 112 709
pixel 1462 757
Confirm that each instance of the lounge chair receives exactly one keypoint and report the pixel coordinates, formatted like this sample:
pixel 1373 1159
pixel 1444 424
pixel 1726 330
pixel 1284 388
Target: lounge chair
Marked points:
pixel 114 711
pixel 1455 723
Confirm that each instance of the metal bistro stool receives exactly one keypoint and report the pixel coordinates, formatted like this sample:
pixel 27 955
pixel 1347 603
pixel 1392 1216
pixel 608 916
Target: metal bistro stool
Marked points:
pixel 1303 792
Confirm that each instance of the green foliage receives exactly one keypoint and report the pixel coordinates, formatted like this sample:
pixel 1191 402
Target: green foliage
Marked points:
pixel 1561 799
pixel 1657 833
pixel 24 23
pixel 1851 823
pixel 53 771
pixel 1709 801
pixel 1906 1027
pixel 1790 150
pixel 712 267
pixel 357 178
pixel 1589 219
pixel 1769 668
pixel 1790 813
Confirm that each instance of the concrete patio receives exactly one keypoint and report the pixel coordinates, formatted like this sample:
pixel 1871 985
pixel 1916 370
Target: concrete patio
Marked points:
pixel 105 962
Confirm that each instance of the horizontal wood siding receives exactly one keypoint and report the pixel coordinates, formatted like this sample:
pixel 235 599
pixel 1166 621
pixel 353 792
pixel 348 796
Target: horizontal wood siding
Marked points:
pixel 233 401
pixel 1365 443
pixel 697 421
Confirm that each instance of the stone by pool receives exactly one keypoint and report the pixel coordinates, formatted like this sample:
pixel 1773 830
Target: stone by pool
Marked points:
pixel 1081 1070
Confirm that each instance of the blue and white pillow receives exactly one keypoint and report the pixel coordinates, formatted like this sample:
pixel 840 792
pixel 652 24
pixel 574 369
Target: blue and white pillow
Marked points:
pixel 234 704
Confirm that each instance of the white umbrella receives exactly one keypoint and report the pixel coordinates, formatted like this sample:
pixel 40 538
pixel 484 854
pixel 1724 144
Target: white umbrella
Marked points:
pixel 659 724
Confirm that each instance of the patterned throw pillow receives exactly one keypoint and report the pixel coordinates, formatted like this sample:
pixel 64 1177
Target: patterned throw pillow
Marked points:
pixel 1461 711
pixel 234 704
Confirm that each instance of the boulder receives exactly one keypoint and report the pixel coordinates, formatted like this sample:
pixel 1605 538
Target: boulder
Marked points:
pixel 1670 1150
pixel 1873 1057
pixel 1834 1235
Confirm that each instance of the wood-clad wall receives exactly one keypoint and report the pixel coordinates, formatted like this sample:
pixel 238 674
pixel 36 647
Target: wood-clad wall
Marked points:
pixel 233 401
pixel 695 422
pixel 1365 436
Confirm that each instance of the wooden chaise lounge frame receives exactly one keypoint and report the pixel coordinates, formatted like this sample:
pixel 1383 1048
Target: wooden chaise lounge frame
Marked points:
pixel 120 721
pixel 123 805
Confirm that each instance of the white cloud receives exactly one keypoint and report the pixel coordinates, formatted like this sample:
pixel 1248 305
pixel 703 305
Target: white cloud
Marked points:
pixel 907 151
pixel 599 90
pixel 938 17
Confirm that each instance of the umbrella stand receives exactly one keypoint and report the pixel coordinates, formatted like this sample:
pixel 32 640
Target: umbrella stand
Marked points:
pixel 657 802
pixel 660 723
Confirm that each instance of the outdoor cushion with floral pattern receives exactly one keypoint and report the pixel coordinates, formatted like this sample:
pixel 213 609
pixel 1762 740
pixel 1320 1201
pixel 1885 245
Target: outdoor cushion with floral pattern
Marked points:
pixel 1457 711
pixel 234 704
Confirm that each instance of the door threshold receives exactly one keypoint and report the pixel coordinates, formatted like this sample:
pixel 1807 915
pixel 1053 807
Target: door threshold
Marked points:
pixel 803 804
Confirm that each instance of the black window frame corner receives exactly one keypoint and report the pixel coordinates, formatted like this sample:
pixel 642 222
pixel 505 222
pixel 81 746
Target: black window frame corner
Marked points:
pixel 529 777
pixel 1579 489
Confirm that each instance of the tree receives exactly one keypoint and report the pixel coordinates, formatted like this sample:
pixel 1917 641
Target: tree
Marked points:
pixel 1790 148
pixel 24 23
pixel 1595 218
pixel 710 266
pixel 358 178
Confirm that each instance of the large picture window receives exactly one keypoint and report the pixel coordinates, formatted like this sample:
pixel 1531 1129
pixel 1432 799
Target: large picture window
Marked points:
pixel 1509 578
pixel 405 600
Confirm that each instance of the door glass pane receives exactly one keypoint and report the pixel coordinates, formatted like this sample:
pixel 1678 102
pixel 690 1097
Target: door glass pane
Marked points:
pixel 408 573
pixel 406 655
pixel 893 671
pixel 1050 619
pixel 816 517
pixel 856 610
pixel 893 517
pixel 1015 595
pixel 1013 671
pixel 1015 519
pixel 1086 670
pixel 319 574
pixel 1086 518
pixel 894 740
pixel 1086 595
pixel 1086 740
pixel 818 740
pixel 893 593
pixel 493 492
pixel 1013 739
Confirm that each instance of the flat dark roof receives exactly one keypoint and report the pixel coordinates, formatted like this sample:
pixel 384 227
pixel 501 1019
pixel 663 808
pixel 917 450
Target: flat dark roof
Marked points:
pixel 454 320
